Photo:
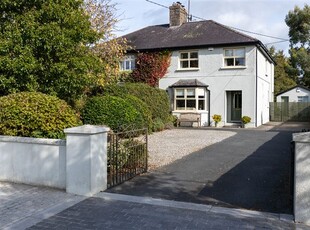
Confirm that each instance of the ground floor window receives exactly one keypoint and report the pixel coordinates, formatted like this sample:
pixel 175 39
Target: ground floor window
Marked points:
pixel 189 99
pixel 303 99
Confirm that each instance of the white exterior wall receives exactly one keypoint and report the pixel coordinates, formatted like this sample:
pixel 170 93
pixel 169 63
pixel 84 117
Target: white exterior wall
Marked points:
pixel 293 94
pixel 220 80
pixel 265 88
pixel 33 161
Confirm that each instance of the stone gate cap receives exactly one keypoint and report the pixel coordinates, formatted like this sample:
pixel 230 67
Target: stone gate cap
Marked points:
pixel 301 137
pixel 88 129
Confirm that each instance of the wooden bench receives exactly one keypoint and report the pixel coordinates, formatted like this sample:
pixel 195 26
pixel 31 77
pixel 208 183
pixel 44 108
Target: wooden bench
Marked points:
pixel 189 117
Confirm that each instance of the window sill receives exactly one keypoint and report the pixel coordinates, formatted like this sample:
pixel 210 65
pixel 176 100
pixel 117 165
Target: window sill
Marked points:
pixel 189 111
pixel 126 70
pixel 232 67
pixel 186 70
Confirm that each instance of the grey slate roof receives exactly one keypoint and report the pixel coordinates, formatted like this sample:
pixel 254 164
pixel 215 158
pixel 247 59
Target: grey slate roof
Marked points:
pixel 188 83
pixel 190 34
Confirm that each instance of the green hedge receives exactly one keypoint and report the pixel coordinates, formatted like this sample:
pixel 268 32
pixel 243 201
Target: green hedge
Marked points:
pixel 31 114
pixel 156 100
pixel 142 108
pixel 115 112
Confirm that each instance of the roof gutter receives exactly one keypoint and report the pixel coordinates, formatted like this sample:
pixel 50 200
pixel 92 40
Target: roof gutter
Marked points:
pixel 186 47
pixel 265 51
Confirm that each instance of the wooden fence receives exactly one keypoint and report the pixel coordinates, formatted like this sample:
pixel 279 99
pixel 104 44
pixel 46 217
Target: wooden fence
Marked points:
pixel 290 111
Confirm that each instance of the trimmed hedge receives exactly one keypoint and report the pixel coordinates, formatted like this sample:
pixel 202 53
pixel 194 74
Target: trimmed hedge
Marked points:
pixel 156 100
pixel 115 112
pixel 31 114
pixel 142 108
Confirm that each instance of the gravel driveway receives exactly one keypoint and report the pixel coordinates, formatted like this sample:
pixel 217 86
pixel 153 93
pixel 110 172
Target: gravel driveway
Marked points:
pixel 167 146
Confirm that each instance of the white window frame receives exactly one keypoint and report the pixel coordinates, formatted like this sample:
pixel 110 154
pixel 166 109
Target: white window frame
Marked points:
pixel 302 98
pixel 130 60
pixel 186 99
pixel 234 57
pixel 188 60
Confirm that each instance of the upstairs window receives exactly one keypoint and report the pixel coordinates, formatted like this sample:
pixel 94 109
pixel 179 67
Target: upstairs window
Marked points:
pixel 234 57
pixel 189 60
pixel 128 63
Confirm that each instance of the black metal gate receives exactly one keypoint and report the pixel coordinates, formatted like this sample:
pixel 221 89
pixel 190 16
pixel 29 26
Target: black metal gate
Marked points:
pixel 127 155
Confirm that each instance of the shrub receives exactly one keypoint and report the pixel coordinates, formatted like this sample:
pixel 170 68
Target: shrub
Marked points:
pixel 142 108
pixel 217 118
pixel 245 119
pixel 31 114
pixel 156 100
pixel 115 112
pixel 158 125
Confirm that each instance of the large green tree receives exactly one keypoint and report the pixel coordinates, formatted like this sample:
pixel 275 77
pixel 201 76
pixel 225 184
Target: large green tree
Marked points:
pixel 45 46
pixel 284 75
pixel 298 21
pixel 103 18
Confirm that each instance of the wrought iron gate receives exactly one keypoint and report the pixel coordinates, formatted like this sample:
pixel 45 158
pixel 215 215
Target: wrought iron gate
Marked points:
pixel 127 155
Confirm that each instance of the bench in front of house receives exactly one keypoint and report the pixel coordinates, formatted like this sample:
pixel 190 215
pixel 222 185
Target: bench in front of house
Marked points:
pixel 189 117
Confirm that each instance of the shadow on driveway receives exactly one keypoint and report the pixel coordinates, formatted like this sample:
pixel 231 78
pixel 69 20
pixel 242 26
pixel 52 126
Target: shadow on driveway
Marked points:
pixel 250 170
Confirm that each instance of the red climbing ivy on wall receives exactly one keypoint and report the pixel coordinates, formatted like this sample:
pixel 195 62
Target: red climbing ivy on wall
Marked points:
pixel 151 67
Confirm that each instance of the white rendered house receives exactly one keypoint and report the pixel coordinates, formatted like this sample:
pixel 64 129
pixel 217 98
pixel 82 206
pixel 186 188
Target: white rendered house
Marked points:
pixel 213 70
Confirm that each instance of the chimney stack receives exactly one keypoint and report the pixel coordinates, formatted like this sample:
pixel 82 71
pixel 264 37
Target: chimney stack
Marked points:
pixel 178 14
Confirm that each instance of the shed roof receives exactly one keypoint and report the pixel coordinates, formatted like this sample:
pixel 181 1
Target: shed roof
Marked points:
pixel 296 86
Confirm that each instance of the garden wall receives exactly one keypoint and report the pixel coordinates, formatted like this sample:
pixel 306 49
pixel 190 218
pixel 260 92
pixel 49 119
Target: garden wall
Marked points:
pixel 33 161
pixel 77 164
pixel 302 177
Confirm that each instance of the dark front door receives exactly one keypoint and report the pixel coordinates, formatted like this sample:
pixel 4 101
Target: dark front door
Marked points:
pixel 236 106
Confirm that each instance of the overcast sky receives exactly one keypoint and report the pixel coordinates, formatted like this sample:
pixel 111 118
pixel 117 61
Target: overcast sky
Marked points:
pixel 260 16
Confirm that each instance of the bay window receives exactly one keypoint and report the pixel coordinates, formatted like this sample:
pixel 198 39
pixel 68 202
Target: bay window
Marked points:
pixel 190 99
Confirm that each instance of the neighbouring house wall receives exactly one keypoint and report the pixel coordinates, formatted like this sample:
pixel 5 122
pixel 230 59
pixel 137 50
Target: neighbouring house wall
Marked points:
pixel 302 175
pixel 293 94
pixel 265 88
pixel 220 80
pixel 33 161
